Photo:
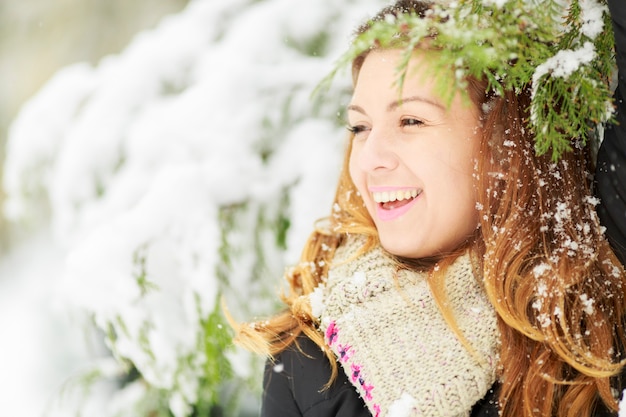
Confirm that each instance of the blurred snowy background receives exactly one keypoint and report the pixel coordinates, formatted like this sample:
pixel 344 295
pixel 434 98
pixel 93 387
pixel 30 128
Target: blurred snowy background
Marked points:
pixel 157 156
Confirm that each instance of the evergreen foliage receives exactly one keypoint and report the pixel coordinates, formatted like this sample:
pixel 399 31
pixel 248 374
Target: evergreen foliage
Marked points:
pixel 187 170
pixel 564 52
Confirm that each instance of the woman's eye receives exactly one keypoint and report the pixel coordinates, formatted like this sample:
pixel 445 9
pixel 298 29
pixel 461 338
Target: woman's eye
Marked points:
pixel 411 122
pixel 356 129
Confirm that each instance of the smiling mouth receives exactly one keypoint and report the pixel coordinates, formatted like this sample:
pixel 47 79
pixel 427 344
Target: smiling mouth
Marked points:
pixel 390 200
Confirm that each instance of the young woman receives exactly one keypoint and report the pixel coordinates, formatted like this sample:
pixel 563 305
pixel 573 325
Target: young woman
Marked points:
pixel 460 273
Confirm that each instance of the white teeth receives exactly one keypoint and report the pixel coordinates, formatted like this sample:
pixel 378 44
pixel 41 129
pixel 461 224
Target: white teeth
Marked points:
pixel 386 196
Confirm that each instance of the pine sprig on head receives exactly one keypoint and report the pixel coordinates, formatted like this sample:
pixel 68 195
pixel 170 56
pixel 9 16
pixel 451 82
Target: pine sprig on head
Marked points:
pixel 562 50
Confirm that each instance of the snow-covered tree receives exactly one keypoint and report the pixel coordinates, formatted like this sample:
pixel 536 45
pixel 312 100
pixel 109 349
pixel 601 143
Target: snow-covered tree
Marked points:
pixel 187 169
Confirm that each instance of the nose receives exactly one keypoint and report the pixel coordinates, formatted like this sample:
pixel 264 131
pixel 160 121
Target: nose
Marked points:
pixel 376 153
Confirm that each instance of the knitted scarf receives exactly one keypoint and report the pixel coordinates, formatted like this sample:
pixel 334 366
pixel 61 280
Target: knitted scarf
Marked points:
pixel 391 339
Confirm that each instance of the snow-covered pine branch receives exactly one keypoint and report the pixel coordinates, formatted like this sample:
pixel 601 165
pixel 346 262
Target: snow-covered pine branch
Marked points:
pixel 190 166
pixel 563 50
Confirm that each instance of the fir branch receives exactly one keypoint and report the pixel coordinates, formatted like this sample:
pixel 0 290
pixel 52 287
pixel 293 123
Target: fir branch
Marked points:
pixel 565 54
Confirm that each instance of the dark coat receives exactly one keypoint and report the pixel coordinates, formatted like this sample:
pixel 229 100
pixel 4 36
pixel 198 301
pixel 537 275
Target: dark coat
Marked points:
pixel 611 170
pixel 294 384
pixel 294 387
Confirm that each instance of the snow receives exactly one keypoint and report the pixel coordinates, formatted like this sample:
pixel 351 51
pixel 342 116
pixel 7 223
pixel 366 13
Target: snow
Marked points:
pixel 565 62
pixel 316 299
pixel 587 303
pixel 402 407
pixel 26 170
pixel 43 344
pixel 591 16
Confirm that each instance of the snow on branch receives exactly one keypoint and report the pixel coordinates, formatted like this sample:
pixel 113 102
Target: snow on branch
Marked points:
pixel 189 167
pixel 562 50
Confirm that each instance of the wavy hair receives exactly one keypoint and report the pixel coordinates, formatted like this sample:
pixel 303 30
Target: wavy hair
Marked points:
pixel 555 283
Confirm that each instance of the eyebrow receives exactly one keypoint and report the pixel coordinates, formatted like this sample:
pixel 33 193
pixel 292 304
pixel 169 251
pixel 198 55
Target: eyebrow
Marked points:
pixel 397 103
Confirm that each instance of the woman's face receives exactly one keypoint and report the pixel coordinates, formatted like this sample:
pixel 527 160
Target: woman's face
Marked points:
pixel 413 158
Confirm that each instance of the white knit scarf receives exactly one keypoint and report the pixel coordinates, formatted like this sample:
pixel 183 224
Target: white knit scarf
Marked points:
pixel 393 342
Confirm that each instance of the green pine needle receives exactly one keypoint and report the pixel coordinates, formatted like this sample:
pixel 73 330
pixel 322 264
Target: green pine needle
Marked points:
pixel 511 44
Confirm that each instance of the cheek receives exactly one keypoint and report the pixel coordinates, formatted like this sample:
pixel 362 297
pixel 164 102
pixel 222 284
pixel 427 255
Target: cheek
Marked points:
pixel 471 185
pixel 467 158
pixel 354 171
pixel 463 176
